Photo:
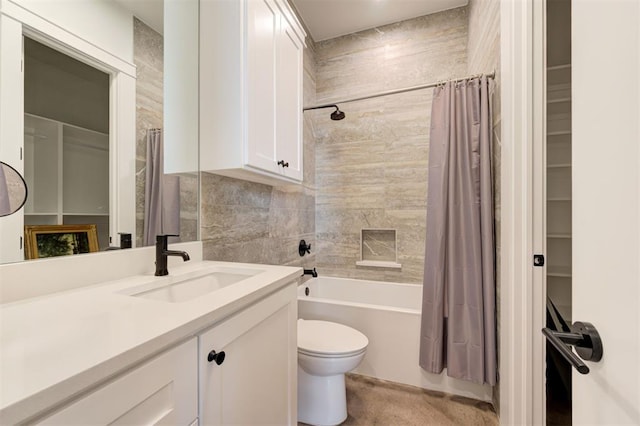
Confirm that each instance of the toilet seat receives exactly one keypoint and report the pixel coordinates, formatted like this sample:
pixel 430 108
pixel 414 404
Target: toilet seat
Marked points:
pixel 326 339
pixel 333 355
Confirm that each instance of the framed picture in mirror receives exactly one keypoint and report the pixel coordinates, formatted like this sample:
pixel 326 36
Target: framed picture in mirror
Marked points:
pixel 59 240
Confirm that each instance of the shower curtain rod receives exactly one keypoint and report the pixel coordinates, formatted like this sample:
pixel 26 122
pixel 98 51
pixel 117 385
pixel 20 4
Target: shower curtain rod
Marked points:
pixel 396 91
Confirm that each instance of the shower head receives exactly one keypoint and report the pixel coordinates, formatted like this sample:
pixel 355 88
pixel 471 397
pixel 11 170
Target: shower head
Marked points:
pixel 335 115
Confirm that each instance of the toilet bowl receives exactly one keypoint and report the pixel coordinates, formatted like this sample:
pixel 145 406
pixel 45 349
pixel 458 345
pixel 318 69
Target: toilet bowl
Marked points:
pixel 326 351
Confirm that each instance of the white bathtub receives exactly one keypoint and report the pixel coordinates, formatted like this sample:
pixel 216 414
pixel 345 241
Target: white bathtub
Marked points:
pixel 389 315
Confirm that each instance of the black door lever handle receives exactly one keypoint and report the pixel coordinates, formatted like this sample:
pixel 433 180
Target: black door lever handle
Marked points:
pixel 586 340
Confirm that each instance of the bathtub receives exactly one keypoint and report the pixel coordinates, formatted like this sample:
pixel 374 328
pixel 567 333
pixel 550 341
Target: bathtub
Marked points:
pixel 389 315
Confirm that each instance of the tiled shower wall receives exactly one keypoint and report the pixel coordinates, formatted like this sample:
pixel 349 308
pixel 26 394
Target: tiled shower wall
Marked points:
pixel 148 58
pixel 371 167
pixel 368 170
pixel 484 57
pixel 250 222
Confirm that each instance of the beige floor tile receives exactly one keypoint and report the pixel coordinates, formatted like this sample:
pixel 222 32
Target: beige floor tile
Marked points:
pixel 377 402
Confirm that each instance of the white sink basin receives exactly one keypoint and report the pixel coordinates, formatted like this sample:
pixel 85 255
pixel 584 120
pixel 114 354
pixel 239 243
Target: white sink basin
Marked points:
pixel 176 289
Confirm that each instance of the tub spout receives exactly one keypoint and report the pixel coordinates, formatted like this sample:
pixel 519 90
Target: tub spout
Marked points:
pixel 311 272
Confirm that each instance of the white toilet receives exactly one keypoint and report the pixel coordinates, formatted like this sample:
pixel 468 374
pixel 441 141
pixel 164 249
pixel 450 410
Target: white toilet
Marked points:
pixel 326 351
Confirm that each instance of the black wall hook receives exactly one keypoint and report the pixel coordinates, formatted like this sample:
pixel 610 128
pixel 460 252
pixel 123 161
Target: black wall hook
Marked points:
pixel 304 248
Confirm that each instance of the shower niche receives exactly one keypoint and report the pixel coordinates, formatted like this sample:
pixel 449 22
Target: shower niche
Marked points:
pixel 379 248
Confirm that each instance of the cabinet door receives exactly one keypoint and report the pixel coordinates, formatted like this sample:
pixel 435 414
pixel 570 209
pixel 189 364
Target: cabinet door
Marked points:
pixel 289 101
pixel 160 392
pixel 256 382
pixel 262 26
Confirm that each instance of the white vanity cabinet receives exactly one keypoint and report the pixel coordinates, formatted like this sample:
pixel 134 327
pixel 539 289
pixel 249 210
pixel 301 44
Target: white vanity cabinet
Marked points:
pixel 256 382
pixel 161 391
pixel 251 54
pixel 132 360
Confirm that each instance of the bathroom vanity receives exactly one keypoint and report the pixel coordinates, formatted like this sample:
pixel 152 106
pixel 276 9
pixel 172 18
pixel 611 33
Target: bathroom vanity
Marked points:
pixel 212 343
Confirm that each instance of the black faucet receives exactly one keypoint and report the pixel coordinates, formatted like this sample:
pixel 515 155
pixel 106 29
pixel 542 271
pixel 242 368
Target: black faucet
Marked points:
pixel 311 272
pixel 162 253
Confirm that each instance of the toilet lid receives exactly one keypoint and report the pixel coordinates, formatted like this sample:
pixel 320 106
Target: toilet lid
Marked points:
pixel 324 337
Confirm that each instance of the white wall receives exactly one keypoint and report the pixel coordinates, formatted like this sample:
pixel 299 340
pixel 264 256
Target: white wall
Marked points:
pixel 181 40
pixel 64 89
pixel 100 33
pixel 103 23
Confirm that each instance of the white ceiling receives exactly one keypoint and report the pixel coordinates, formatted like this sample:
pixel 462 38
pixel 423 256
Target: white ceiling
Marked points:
pixel 151 12
pixel 324 19
pixel 327 19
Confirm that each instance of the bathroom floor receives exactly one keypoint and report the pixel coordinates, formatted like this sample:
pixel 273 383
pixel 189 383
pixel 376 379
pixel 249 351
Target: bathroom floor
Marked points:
pixel 378 402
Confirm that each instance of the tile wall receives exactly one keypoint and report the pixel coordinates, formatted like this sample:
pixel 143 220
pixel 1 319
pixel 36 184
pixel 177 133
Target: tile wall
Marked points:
pixel 371 167
pixel 368 170
pixel 148 58
pixel 250 222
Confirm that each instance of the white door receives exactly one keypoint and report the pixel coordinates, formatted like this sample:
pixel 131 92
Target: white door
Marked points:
pixel 606 211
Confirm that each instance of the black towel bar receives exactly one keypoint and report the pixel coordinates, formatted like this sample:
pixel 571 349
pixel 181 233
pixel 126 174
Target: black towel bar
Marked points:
pixel 586 340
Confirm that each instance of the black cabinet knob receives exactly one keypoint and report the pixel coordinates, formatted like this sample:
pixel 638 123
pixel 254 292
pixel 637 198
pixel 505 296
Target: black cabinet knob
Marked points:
pixel 218 357
pixel 283 164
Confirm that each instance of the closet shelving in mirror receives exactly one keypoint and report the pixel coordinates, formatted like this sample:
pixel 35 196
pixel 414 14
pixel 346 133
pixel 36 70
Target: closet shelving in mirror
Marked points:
pixel 67 170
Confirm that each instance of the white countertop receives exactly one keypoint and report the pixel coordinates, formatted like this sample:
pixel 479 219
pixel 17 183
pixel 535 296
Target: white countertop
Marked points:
pixel 54 347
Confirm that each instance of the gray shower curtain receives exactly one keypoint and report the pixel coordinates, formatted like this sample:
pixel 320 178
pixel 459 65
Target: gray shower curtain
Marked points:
pixel 161 194
pixel 458 308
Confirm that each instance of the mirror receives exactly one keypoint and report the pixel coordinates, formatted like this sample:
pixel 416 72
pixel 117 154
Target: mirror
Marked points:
pixel 13 190
pixel 143 93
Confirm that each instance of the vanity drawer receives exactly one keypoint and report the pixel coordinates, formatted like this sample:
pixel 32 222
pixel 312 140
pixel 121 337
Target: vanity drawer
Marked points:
pixel 161 391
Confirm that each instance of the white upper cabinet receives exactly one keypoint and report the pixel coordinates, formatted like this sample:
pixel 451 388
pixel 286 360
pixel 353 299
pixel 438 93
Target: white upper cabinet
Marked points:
pixel 262 35
pixel 289 100
pixel 251 90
